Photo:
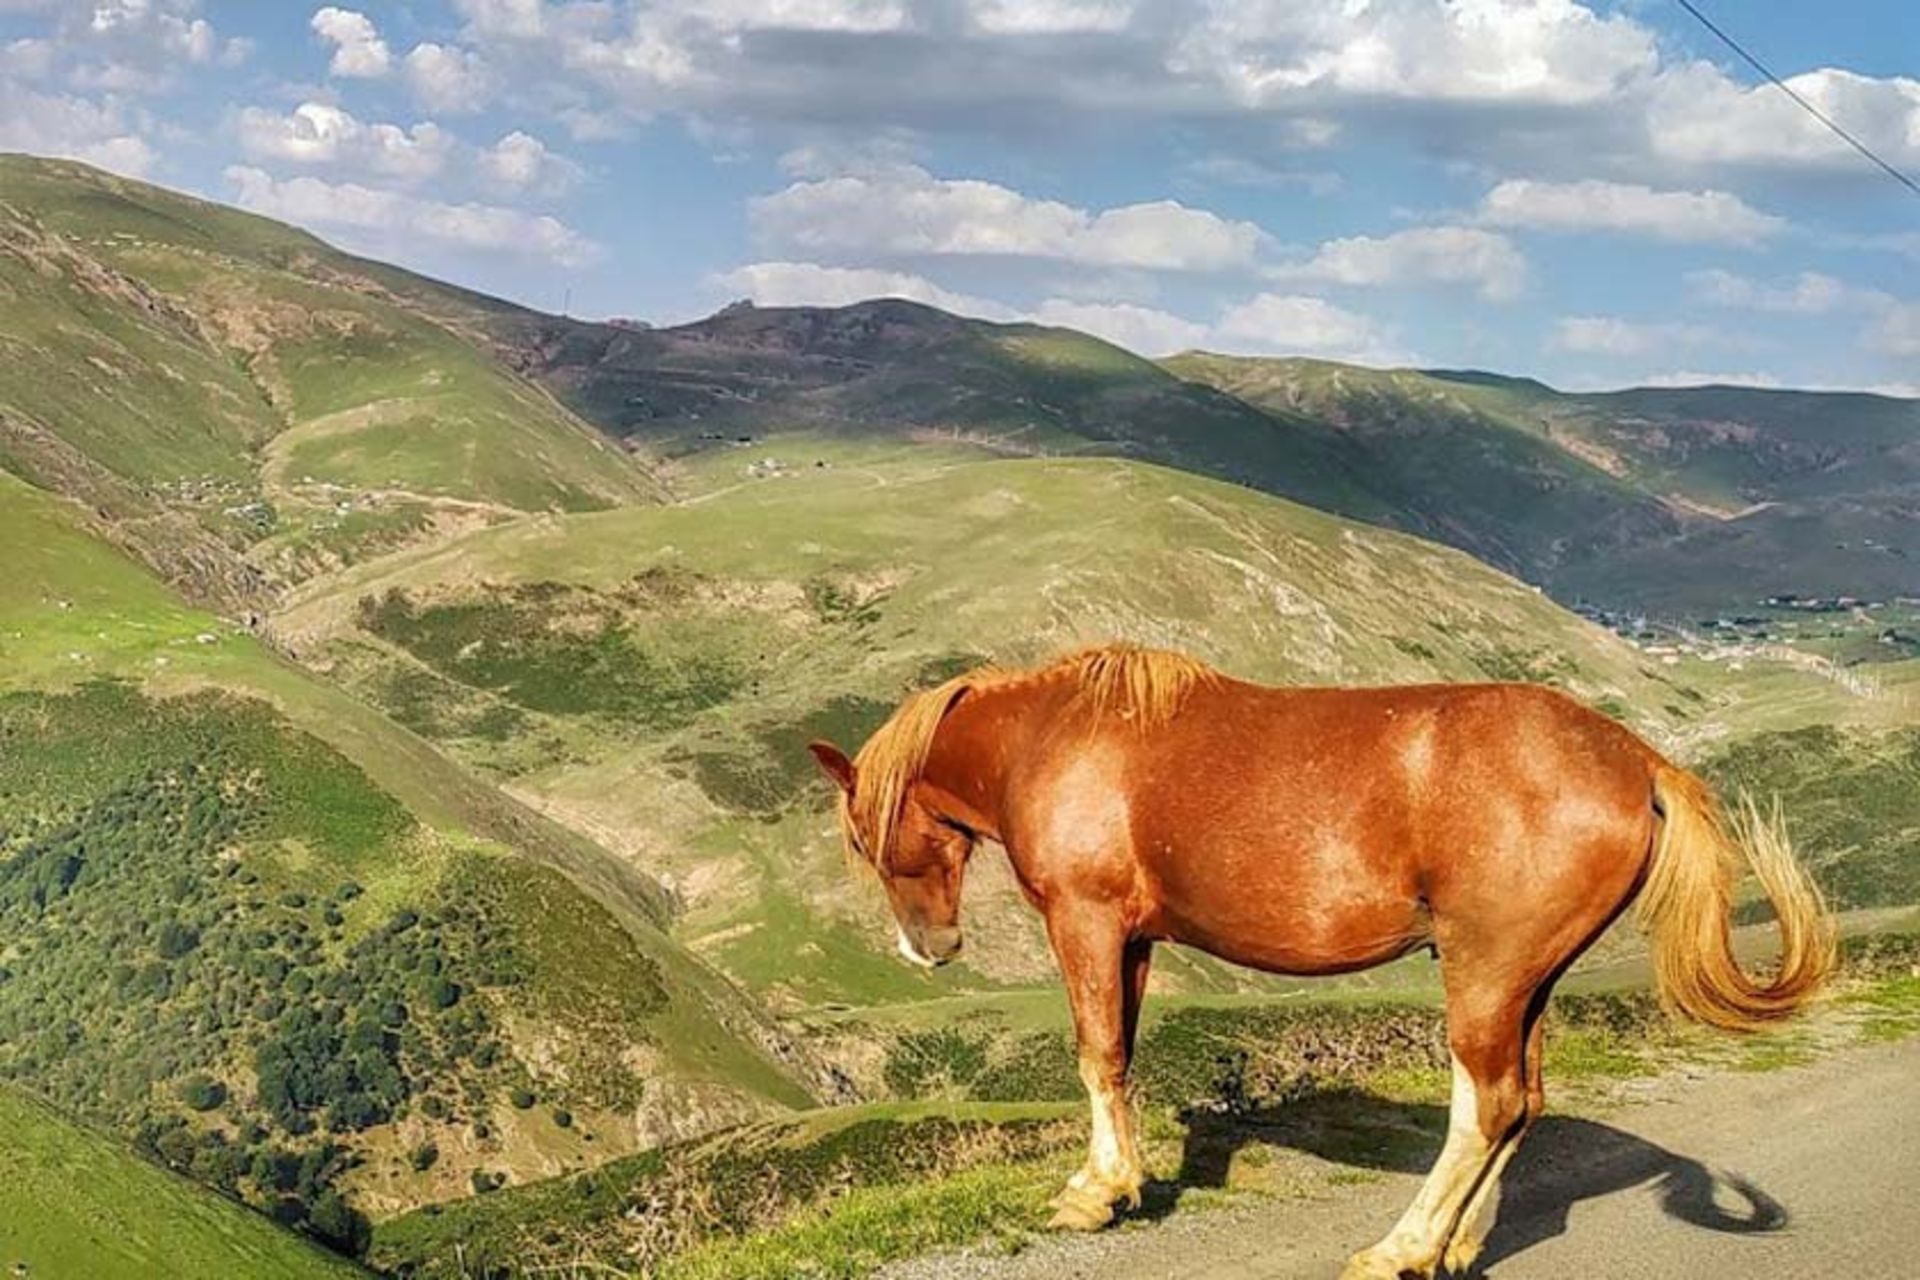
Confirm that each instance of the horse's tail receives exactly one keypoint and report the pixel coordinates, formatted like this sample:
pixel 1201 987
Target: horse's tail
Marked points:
pixel 1688 898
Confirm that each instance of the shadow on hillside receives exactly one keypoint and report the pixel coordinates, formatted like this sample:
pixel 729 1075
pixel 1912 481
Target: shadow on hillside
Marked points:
pixel 1565 1160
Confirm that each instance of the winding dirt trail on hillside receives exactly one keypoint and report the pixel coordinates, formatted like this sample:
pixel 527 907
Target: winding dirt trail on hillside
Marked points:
pixel 1804 1172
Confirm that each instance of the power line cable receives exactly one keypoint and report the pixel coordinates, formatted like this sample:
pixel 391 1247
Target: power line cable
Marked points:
pixel 1806 106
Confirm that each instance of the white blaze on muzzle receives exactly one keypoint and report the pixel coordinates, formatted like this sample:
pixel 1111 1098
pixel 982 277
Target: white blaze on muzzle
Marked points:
pixel 910 953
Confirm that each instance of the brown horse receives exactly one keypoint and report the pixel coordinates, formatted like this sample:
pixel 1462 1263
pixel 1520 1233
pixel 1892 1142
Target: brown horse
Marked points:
pixel 1142 797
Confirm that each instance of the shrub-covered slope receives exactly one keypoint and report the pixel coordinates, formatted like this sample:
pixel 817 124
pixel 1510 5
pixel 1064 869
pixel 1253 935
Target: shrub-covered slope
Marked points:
pixel 232 937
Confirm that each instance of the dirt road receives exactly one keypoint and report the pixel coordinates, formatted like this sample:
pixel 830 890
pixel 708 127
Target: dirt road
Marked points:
pixel 1808 1171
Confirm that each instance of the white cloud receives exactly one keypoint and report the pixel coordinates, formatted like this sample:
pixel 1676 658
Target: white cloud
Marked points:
pixel 75 128
pixel 1696 217
pixel 903 211
pixel 1145 330
pixel 316 134
pixel 1699 117
pixel 521 162
pixel 857 16
pixel 385 220
pixel 1692 378
pixel 1549 52
pixel 319 135
pixel 1612 336
pixel 1485 260
pixel 1897 332
pixel 118 46
pixel 1553 88
pixel 1240 172
pixel 809 284
pixel 169 25
pixel 1274 323
pixel 27 59
pixel 1050 17
pixel 358 51
pixel 445 78
pixel 515 19
pixel 1266 324
pixel 1809 293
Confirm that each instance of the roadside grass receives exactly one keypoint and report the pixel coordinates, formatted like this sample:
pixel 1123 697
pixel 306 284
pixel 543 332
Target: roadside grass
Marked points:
pixel 1237 1098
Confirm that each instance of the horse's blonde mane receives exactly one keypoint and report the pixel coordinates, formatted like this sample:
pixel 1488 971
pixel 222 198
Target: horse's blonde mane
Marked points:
pixel 1145 686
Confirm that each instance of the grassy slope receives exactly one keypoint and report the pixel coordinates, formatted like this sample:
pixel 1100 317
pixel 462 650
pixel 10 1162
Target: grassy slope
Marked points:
pixel 193 360
pixel 775 609
pixel 73 611
pixel 1680 500
pixel 74 1203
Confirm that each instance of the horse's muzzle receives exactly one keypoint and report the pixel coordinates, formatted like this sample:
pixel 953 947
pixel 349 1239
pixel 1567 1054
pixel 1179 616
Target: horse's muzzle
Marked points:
pixel 930 948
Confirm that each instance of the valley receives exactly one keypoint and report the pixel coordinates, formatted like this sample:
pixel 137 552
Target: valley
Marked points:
pixel 406 835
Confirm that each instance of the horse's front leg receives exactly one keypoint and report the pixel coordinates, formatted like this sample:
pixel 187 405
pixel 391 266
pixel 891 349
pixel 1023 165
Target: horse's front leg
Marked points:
pixel 1099 967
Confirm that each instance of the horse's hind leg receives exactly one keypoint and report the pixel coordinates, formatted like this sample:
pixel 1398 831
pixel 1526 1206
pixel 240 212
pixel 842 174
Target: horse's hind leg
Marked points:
pixel 1487 1033
pixel 1468 1238
pixel 1104 976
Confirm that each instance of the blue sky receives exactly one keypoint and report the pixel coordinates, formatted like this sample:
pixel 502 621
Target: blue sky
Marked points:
pixel 1596 194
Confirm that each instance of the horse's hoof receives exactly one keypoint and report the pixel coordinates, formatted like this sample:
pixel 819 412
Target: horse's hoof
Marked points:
pixel 1077 1210
pixel 1368 1265
pixel 1462 1252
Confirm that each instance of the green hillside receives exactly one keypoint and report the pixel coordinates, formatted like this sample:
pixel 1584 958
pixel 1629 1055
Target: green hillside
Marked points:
pixel 1475 462
pixel 655 673
pixel 74 1203
pixel 297 953
pixel 250 406
pixel 1678 501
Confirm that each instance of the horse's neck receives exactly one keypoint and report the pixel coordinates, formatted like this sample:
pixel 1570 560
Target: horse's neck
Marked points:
pixel 978 746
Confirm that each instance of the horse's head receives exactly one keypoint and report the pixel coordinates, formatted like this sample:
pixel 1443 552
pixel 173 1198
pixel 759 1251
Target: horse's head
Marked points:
pixel 920 857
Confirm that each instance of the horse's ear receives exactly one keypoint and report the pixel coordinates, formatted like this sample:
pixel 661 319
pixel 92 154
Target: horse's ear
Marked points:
pixel 834 763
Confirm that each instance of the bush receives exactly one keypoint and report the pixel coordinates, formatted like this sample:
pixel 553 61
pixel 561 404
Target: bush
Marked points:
pixel 175 940
pixel 202 1092
pixel 337 1226
pixel 521 1097
pixel 423 1157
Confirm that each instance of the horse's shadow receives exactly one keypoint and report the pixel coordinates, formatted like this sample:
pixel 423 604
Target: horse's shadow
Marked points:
pixel 1564 1161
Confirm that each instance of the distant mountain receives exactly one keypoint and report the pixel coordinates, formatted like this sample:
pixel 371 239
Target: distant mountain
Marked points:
pixel 1678 500
pixel 891 368
pixel 1675 500
pixel 1470 459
